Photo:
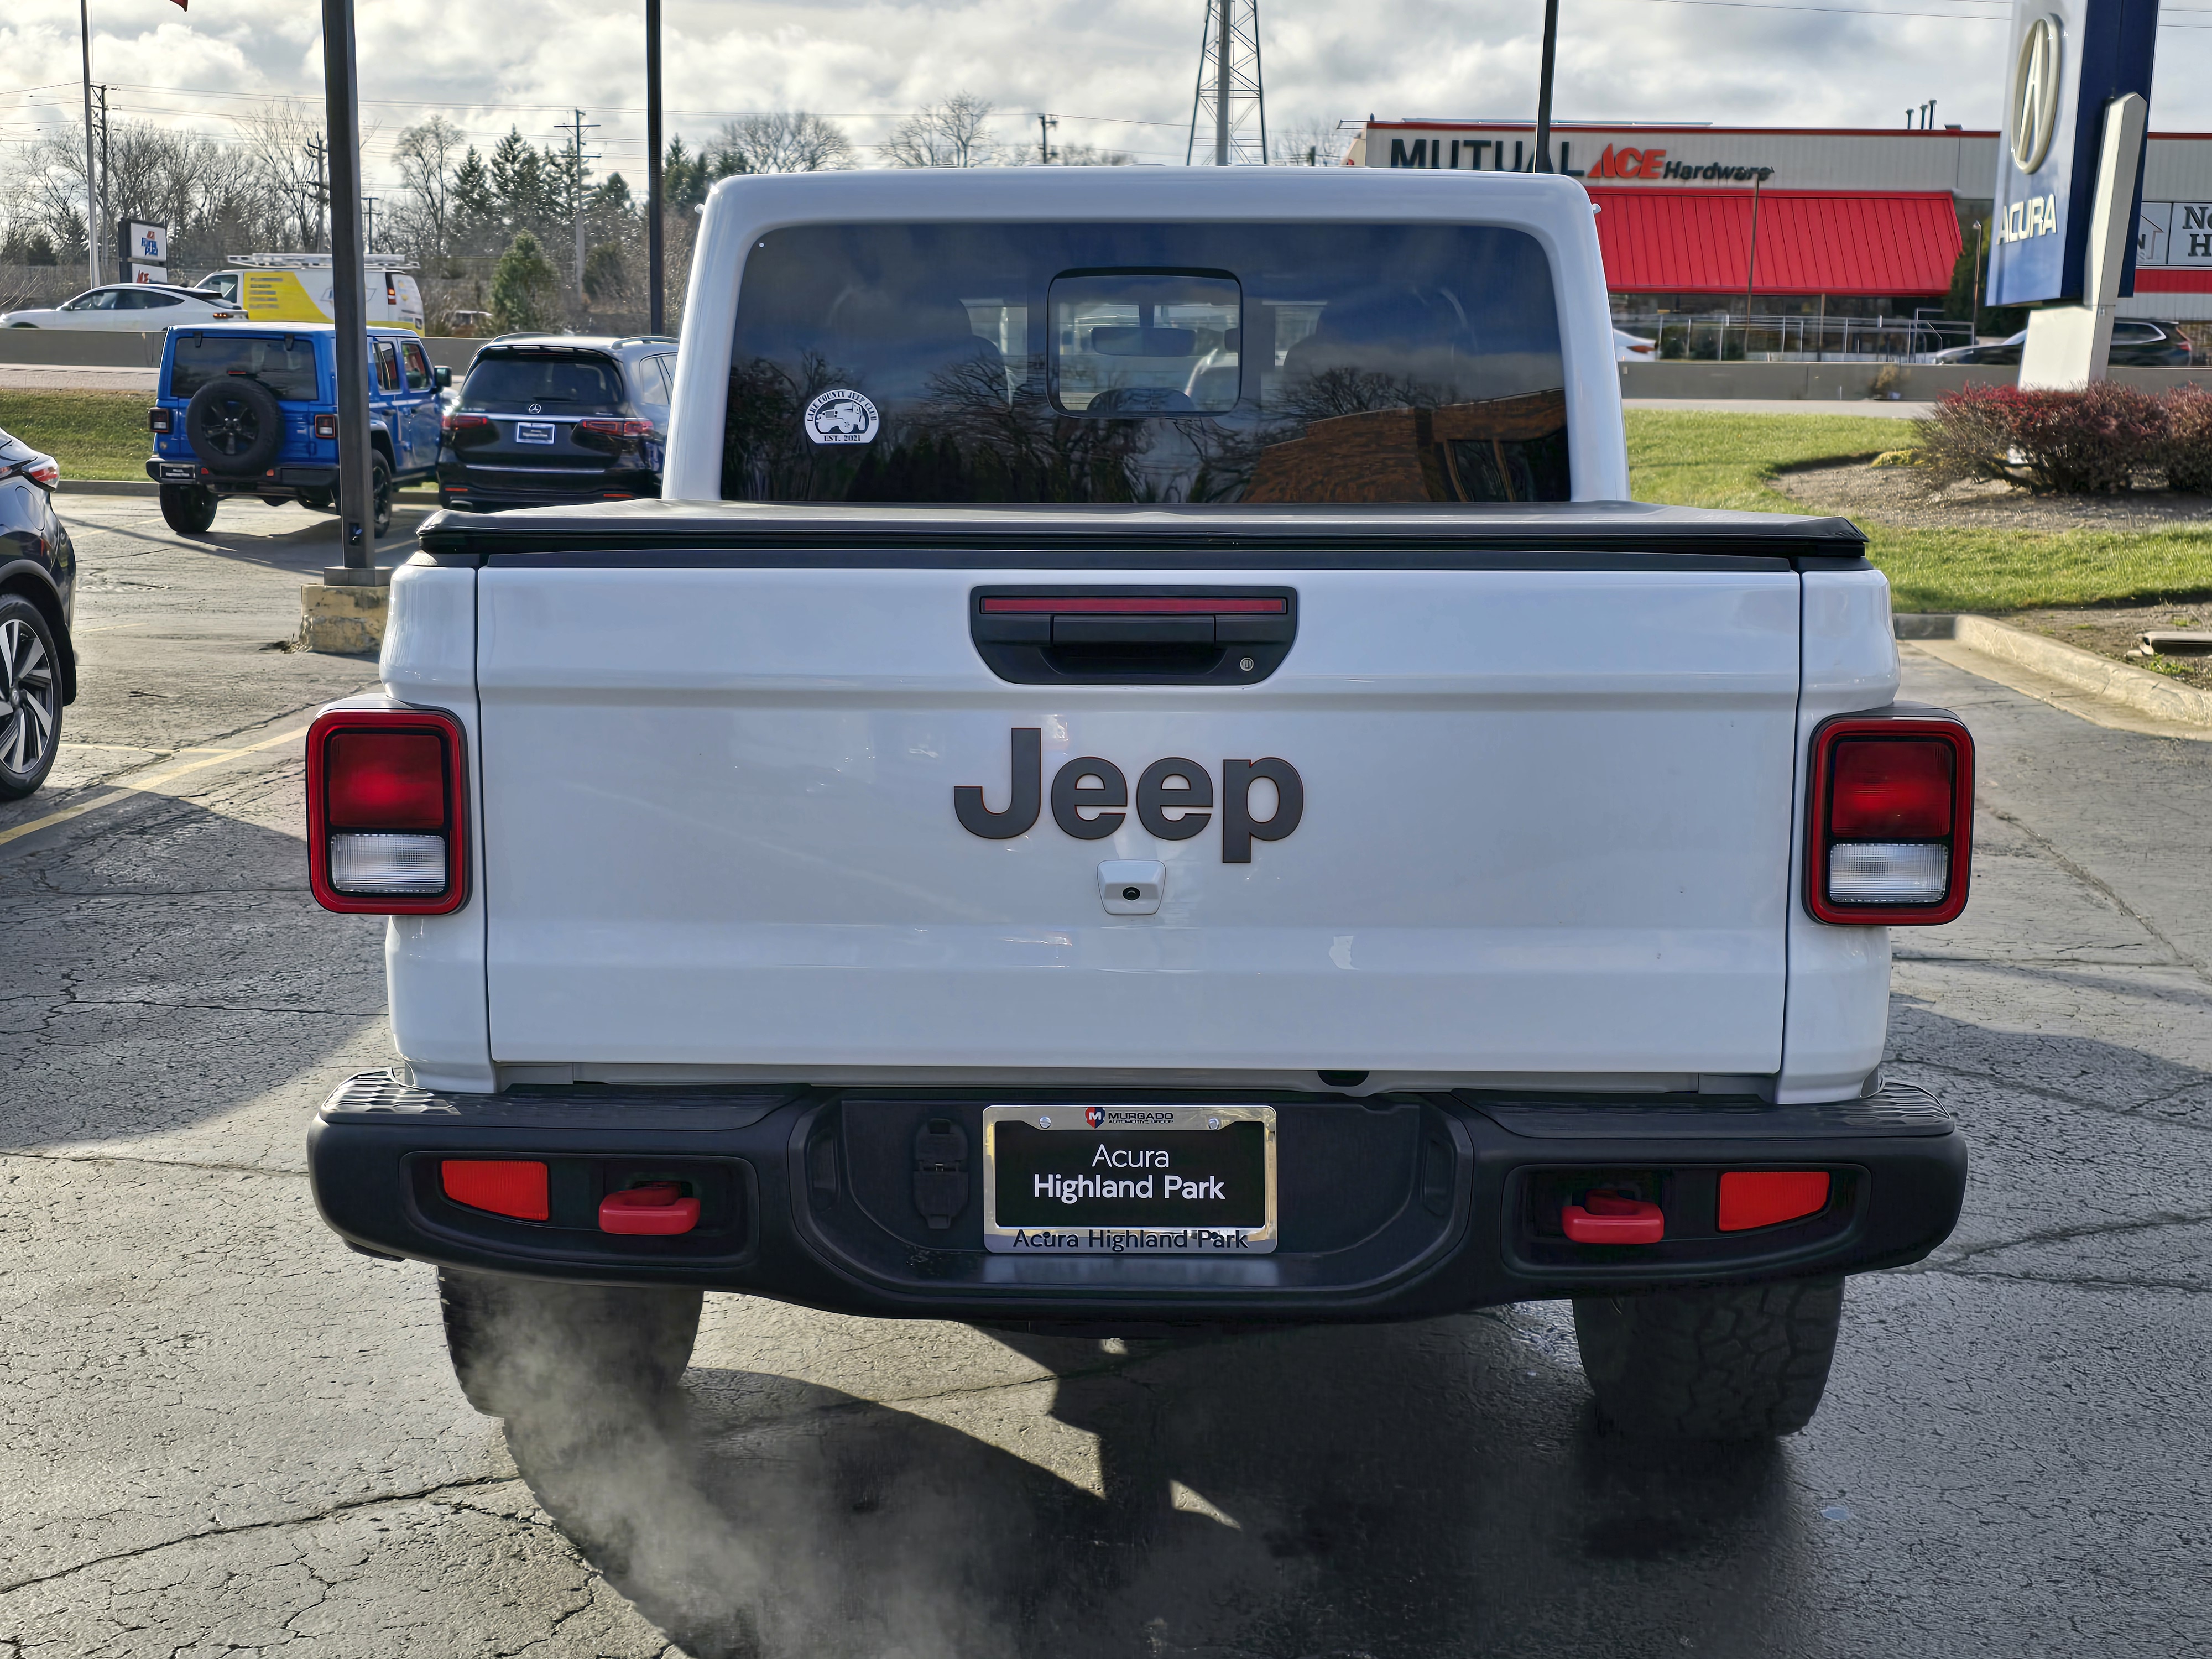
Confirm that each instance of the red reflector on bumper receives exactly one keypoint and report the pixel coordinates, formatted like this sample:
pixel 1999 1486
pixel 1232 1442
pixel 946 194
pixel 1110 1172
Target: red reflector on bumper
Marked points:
pixel 657 1207
pixel 1764 1198
pixel 1605 1217
pixel 504 1186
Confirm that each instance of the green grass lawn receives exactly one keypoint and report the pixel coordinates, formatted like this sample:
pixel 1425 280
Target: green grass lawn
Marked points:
pixel 93 435
pixel 1689 458
pixel 1692 458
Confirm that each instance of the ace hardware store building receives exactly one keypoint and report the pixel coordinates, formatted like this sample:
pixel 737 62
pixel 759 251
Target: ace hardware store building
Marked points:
pixel 1856 227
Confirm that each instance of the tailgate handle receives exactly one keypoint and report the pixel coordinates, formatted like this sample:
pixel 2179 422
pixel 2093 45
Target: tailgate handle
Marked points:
pixel 1105 637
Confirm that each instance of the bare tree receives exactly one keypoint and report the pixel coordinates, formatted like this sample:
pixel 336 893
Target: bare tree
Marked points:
pixel 428 155
pixel 787 141
pixel 1074 153
pixel 1307 143
pixel 283 138
pixel 956 133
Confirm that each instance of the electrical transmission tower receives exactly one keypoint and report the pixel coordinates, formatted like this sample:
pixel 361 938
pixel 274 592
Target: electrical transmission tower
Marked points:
pixel 1228 113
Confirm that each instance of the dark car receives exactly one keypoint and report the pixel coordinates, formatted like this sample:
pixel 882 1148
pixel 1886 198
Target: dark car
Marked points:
pixel 549 420
pixel 2137 343
pixel 38 587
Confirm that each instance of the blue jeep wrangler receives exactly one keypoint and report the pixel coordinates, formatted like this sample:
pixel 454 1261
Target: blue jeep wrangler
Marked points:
pixel 250 408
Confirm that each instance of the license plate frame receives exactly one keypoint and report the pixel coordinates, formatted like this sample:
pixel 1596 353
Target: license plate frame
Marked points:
pixel 175 472
pixel 1023 1142
pixel 533 432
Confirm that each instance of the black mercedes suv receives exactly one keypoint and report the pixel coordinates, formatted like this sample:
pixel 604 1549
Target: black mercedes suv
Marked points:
pixel 553 419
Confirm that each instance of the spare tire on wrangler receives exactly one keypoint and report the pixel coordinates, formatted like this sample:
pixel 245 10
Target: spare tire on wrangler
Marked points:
pixel 235 426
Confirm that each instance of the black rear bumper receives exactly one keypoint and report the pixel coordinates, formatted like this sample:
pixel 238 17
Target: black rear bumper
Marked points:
pixel 1399 1207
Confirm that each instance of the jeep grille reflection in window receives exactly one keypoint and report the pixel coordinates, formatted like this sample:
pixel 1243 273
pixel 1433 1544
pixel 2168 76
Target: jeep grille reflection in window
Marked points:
pixel 1163 363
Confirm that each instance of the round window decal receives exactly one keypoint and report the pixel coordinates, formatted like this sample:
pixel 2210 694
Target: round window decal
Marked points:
pixel 840 416
pixel 2035 94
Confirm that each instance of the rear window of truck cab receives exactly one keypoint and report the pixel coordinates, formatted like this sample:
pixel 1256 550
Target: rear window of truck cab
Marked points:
pixel 283 363
pixel 1099 364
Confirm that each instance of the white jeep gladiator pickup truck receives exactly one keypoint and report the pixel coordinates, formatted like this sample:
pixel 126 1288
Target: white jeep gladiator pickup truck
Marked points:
pixel 1145 774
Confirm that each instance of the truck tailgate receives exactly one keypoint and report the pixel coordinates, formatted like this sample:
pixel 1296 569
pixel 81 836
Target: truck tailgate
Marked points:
pixel 1545 830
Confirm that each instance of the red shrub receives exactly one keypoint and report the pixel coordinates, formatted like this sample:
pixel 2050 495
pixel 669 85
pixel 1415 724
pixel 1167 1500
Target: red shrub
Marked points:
pixel 2074 442
pixel 2188 447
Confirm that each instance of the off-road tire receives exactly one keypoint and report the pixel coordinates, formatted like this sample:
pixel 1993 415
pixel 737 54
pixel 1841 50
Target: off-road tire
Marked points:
pixel 380 491
pixel 187 508
pixel 235 426
pixel 1746 1362
pixel 517 1343
pixel 30 697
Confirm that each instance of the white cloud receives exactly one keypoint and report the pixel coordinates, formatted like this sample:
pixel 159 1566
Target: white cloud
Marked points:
pixel 527 62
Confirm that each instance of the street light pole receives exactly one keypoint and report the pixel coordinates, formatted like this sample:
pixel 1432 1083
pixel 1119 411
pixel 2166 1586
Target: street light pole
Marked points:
pixel 91 189
pixel 654 254
pixel 348 304
pixel 1544 87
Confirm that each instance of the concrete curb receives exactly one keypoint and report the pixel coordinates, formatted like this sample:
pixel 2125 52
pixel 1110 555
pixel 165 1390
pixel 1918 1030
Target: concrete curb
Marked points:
pixel 147 486
pixel 2084 671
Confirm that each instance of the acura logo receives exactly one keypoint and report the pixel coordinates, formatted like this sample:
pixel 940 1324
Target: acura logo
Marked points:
pixel 2035 94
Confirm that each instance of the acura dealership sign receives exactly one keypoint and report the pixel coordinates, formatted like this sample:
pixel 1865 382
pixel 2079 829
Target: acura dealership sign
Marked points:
pixel 2066 60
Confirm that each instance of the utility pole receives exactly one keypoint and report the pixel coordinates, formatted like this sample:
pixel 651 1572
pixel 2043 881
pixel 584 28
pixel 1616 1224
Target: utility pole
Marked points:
pixel 1045 152
pixel 655 279
pixel 578 128
pixel 91 184
pixel 320 151
pixel 1544 86
pixel 107 203
pixel 1751 267
pixel 348 304
pixel 1221 89
pixel 1974 328
pixel 369 225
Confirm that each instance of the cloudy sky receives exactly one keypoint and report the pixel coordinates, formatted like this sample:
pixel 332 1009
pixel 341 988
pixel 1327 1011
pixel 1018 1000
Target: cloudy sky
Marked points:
pixel 1118 73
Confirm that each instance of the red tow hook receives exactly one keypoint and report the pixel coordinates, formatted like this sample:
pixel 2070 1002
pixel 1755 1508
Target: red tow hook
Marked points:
pixel 657 1208
pixel 1607 1217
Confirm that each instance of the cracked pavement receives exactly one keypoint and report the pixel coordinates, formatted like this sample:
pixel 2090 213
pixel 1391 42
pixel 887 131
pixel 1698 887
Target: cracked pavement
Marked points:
pixel 226 1435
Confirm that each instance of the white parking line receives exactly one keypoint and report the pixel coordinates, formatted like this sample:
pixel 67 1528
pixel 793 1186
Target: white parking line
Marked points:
pixel 150 784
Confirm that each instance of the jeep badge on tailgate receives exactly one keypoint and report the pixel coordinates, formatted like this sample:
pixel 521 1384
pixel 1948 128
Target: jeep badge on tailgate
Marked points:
pixel 1089 784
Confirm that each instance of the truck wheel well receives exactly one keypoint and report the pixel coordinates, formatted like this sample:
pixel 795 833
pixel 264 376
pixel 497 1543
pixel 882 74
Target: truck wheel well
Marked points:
pixel 50 607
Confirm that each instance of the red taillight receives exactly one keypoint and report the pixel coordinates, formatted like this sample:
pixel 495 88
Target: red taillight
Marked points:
pixel 326 426
pixel 1886 789
pixel 613 428
pixel 1891 820
pixel 504 1186
pixel 386 793
pixel 387 781
pixel 1766 1198
pixel 466 424
pixel 162 420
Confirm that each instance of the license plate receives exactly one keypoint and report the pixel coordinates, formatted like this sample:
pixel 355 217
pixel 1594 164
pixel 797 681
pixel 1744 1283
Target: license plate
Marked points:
pixel 1129 1180
pixel 533 432
pixel 180 474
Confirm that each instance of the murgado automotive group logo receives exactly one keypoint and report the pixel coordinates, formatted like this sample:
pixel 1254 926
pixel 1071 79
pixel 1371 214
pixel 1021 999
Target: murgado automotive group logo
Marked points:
pixel 2035 92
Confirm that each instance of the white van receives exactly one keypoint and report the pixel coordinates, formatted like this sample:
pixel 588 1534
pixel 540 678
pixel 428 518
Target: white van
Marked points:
pixel 295 287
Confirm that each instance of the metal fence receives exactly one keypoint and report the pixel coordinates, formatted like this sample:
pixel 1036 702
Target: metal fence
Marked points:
pixel 1732 337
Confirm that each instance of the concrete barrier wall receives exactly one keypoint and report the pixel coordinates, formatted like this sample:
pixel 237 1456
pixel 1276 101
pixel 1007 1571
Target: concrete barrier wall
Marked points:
pixel 89 348
pixel 1842 382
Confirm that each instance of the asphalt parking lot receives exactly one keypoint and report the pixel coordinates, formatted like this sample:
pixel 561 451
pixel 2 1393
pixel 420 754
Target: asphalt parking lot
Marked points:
pixel 221 1433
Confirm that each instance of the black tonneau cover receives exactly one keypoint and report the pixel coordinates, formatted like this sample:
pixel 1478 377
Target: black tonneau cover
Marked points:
pixel 1582 534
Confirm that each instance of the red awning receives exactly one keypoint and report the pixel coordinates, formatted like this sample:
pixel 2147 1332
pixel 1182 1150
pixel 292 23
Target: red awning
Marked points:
pixel 1810 241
